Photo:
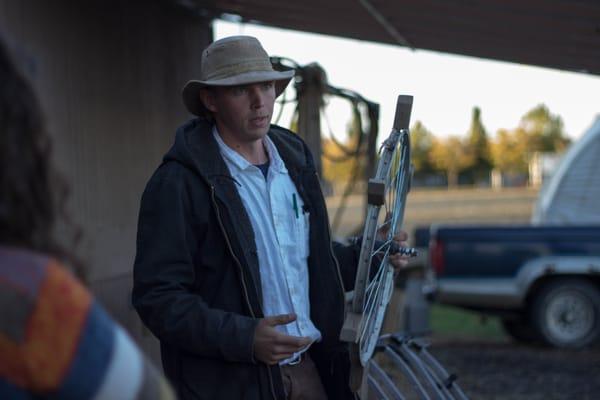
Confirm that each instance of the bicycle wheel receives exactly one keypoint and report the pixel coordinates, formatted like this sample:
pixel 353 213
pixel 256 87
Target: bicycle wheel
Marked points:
pixel 380 280
pixel 374 280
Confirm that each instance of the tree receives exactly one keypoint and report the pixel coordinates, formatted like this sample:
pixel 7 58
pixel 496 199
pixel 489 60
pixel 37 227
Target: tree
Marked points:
pixel 538 131
pixel 544 130
pixel 450 155
pixel 509 150
pixel 421 142
pixel 478 148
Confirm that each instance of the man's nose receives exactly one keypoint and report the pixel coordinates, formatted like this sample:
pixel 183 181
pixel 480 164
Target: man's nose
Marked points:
pixel 256 96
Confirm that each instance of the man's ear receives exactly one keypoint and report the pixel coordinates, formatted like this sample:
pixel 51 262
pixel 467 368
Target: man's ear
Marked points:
pixel 207 97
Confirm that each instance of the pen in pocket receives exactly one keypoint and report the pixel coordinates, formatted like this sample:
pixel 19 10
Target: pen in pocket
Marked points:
pixel 295 204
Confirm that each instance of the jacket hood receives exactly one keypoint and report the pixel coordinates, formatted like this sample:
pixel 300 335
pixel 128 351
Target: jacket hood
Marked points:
pixel 185 141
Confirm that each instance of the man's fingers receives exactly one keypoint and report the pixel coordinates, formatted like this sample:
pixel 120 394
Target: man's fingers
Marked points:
pixel 295 342
pixel 280 319
pixel 398 262
pixel 401 236
pixel 399 257
pixel 285 351
pixel 272 346
pixel 277 358
pixel 281 349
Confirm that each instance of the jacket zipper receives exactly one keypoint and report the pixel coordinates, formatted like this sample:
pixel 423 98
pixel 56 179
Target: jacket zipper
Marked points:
pixel 237 261
pixel 239 264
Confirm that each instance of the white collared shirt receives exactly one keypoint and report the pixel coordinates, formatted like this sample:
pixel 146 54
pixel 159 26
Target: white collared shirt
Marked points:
pixel 281 229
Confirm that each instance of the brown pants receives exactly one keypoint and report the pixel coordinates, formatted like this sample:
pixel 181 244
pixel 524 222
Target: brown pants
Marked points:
pixel 302 382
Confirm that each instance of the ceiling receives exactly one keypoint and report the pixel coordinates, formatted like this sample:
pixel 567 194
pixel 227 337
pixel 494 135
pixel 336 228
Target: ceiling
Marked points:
pixel 561 34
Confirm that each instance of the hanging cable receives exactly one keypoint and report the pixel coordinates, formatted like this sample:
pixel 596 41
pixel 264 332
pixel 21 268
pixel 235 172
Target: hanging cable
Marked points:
pixel 358 151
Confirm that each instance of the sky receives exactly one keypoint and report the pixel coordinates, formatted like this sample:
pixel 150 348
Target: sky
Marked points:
pixel 445 87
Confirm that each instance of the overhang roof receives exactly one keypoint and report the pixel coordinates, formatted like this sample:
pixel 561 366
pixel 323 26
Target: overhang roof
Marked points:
pixel 561 34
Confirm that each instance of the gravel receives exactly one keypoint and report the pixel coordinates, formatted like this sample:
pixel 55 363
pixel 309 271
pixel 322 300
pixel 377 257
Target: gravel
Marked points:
pixel 510 371
pixel 504 370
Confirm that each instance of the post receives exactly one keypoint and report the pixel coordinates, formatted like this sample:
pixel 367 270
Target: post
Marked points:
pixel 310 91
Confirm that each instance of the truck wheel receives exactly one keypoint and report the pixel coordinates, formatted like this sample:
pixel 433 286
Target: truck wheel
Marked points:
pixel 566 313
pixel 520 330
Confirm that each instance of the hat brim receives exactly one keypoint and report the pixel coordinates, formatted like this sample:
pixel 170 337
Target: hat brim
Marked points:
pixel 191 91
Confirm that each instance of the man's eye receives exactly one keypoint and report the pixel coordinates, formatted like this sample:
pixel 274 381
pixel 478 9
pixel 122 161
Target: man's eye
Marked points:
pixel 238 90
pixel 267 85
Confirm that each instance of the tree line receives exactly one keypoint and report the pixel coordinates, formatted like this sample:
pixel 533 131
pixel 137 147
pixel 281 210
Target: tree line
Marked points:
pixel 474 155
pixel 468 158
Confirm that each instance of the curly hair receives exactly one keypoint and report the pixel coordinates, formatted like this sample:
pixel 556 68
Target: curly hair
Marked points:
pixel 32 193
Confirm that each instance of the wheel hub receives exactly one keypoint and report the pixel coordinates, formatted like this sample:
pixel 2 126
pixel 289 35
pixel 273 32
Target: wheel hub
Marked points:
pixel 569 317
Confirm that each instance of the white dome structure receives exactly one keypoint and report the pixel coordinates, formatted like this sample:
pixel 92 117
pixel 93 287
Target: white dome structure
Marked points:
pixel 572 196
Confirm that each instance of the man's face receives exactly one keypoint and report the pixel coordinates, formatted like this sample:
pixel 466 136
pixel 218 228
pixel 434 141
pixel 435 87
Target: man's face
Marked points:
pixel 244 112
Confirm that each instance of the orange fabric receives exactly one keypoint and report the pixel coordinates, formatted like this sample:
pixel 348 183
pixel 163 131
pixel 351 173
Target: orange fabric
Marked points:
pixel 12 364
pixel 53 332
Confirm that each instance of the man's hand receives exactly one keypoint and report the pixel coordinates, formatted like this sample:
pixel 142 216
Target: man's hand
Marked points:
pixel 397 260
pixel 272 346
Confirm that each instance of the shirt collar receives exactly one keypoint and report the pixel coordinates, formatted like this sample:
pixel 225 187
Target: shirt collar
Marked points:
pixel 235 159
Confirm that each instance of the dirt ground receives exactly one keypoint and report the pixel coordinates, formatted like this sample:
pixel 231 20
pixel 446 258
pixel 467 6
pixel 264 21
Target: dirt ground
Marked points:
pixel 504 370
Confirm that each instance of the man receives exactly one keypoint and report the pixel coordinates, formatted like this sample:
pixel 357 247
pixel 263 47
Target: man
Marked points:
pixel 235 270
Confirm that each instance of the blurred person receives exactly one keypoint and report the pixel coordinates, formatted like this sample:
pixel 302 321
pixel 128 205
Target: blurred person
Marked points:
pixel 236 273
pixel 56 341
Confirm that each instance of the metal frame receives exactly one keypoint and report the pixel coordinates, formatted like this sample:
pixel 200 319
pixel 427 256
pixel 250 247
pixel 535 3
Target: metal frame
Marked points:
pixel 371 295
pixel 427 377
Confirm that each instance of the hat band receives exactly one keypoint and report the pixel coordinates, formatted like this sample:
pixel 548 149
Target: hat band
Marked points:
pixel 230 70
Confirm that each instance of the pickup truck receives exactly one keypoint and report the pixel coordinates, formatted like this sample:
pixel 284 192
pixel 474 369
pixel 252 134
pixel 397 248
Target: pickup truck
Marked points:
pixel 543 281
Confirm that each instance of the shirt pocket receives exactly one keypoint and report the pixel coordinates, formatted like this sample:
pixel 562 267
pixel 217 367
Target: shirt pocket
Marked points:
pixel 302 234
pixel 295 239
pixel 291 219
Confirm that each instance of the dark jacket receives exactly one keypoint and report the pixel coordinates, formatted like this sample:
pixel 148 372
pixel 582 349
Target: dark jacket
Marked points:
pixel 196 275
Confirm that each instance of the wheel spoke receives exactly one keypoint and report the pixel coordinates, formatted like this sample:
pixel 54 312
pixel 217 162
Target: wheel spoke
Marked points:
pixel 369 314
pixel 378 290
pixel 384 245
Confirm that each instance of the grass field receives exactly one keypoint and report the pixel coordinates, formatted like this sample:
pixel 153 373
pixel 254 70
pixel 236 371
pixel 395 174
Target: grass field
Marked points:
pixel 459 206
pixel 456 206
pixel 450 322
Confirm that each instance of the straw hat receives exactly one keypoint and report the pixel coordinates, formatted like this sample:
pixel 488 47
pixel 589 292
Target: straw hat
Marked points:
pixel 235 60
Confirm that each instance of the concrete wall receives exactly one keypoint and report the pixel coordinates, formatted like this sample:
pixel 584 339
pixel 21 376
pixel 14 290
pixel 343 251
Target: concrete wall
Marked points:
pixel 109 74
